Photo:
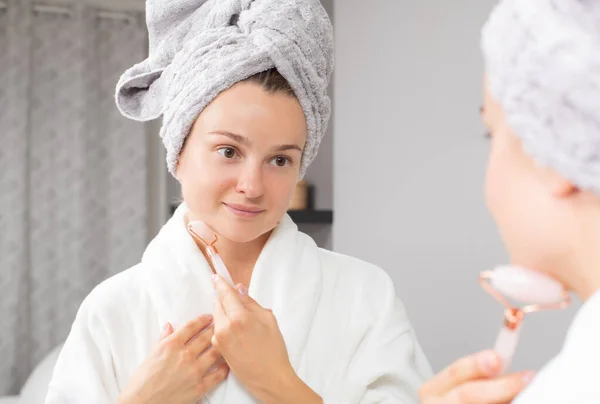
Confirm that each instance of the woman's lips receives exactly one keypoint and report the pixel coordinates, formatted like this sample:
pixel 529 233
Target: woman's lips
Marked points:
pixel 244 210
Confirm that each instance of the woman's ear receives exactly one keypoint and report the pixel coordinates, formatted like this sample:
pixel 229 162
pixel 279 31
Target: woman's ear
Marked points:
pixel 559 186
pixel 565 188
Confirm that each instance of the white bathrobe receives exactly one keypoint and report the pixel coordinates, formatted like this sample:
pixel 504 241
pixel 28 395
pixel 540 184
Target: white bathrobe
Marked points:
pixel 573 376
pixel 346 332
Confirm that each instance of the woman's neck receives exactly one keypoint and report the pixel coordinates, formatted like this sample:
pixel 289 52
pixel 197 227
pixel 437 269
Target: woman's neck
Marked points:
pixel 240 258
pixel 586 277
pixel 583 267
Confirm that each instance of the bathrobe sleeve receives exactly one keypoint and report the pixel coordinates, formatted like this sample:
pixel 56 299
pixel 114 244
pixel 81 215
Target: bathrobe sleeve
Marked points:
pixel 389 365
pixel 84 371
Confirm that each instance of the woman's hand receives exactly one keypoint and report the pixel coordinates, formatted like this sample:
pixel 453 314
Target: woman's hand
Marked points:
pixel 248 337
pixel 181 369
pixel 474 380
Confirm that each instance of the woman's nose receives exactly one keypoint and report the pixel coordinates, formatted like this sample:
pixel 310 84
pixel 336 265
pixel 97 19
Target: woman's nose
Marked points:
pixel 251 181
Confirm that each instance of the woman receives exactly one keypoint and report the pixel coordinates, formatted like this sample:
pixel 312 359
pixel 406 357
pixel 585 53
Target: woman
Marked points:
pixel 542 111
pixel 242 88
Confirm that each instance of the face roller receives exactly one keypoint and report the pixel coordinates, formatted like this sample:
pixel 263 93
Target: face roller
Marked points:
pixel 537 291
pixel 201 233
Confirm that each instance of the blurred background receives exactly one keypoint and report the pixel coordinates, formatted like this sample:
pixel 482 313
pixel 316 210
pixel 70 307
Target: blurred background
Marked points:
pixel 397 182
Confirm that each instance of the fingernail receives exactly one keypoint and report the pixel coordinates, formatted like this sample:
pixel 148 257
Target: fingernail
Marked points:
pixel 165 328
pixel 242 290
pixel 489 362
pixel 215 277
pixel 528 377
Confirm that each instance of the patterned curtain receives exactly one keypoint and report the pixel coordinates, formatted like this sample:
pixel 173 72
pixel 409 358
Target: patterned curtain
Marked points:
pixel 73 172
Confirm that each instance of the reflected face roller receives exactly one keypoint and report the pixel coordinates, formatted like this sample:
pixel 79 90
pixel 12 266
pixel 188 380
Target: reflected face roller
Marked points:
pixel 537 291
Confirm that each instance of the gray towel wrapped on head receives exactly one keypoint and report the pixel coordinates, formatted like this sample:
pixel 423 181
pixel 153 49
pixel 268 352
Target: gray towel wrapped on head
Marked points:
pixel 542 61
pixel 199 48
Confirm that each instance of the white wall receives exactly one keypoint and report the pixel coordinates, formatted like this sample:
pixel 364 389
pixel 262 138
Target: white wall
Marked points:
pixel 409 162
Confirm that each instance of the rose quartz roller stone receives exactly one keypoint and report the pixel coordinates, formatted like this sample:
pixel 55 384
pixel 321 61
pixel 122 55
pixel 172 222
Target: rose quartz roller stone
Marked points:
pixel 536 290
pixel 201 232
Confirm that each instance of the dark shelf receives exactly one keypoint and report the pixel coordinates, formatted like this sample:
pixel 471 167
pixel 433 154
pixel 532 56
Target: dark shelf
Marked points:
pixel 311 216
pixel 308 216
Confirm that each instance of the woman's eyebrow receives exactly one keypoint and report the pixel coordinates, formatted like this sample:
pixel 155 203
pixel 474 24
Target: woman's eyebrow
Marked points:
pixel 285 147
pixel 234 136
pixel 245 141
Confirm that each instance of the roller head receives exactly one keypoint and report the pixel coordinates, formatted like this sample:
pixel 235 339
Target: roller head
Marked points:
pixel 526 286
pixel 202 230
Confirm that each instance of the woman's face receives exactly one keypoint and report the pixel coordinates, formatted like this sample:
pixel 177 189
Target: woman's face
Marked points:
pixel 527 201
pixel 241 162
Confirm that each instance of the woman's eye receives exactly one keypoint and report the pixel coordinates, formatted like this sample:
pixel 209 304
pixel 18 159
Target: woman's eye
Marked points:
pixel 227 152
pixel 281 161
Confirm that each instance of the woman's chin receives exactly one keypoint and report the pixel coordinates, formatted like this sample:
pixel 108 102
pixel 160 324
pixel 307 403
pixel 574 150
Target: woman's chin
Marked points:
pixel 241 238
pixel 242 232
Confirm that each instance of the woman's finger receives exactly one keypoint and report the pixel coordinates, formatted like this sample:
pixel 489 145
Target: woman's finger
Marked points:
pixel 212 379
pixel 208 360
pixel 201 341
pixel 470 368
pixel 191 328
pixel 245 298
pixel 229 297
pixel 491 391
pixel 165 331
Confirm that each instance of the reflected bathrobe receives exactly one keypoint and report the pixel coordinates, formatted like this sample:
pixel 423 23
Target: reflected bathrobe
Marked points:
pixel 572 376
pixel 347 333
